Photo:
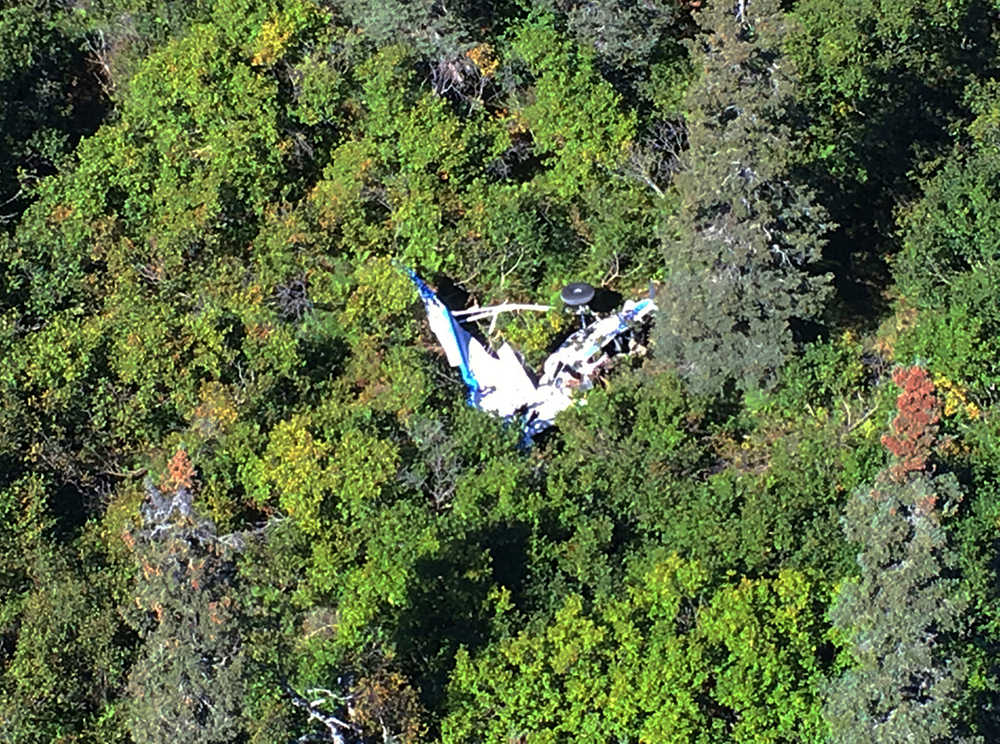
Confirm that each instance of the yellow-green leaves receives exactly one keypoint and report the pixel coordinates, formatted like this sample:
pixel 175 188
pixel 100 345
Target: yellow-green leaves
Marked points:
pixel 768 633
pixel 595 671
pixel 664 585
pixel 654 666
pixel 363 463
pixel 296 468
pixel 316 482
pixel 382 297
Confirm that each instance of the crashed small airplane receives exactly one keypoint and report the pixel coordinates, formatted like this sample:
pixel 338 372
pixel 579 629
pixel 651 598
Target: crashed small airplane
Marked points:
pixel 501 384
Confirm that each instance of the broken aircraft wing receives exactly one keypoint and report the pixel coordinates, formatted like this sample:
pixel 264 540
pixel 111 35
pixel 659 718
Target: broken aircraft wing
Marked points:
pixel 497 383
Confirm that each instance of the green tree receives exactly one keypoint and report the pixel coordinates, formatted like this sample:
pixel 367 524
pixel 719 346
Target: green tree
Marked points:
pixel 740 250
pixel 763 637
pixel 901 686
pixel 881 90
pixel 437 30
pixel 188 683
pixel 617 671
pixel 627 37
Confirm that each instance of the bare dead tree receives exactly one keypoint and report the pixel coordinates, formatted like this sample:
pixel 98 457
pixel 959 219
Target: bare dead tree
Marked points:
pixel 458 77
pixel 658 155
pixel 437 469
pixel 105 46
pixel 292 298
pixel 337 730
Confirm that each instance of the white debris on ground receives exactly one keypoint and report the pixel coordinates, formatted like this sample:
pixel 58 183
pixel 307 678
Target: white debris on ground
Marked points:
pixel 499 382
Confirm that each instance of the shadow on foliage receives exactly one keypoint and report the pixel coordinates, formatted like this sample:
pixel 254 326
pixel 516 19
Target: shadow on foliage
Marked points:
pixel 451 294
pixel 321 357
pixel 448 606
pixel 605 300
pixel 895 135
pixel 70 505
pixel 52 97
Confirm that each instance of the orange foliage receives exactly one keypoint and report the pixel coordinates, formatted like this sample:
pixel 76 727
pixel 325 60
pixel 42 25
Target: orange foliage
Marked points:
pixel 60 213
pixel 128 539
pixel 914 429
pixel 385 701
pixel 260 330
pixel 180 473
pixel 482 57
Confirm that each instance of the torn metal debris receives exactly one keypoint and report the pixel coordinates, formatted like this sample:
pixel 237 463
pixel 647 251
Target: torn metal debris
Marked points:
pixel 500 383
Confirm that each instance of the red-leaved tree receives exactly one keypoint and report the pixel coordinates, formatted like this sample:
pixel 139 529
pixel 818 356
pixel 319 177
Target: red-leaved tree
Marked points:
pixel 913 431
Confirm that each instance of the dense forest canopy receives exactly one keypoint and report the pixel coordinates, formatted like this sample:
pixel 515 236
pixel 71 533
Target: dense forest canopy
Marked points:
pixel 242 496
